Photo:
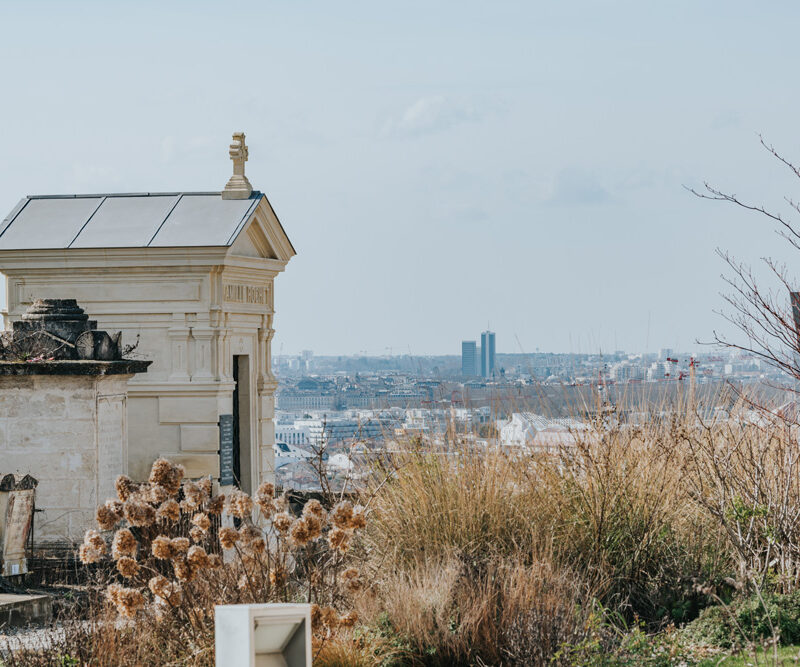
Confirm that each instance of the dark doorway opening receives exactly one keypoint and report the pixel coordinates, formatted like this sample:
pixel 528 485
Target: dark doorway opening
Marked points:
pixel 242 464
pixel 237 459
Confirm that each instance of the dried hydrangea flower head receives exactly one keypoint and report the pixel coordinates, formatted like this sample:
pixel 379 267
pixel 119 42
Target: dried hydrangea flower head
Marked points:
pixel 113 593
pixel 183 570
pixel 339 539
pixel 201 521
pixel 240 504
pixel 169 592
pixel 115 506
pixel 299 534
pixel 180 545
pixel 342 515
pixel 197 534
pixel 214 561
pixel 206 486
pixel 127 600
pixel 125 487
pixel 158 586
pixel 93 548
pixel 138 513
pixel 193 496
pixel 351 581
pixel 314 508
pixel 127 567
pixel 106 517
pixel 124 544
pixel 156 494
pixel 197 557
pixel 216 505
pixel 162 548
pixel 169 511
pixel 249 534
pixel 167 475
pixel 265 491
pixel 282 522
pixel 228 537
pixel 330 618
pixel 264 497
pixel 359 518
pixel 313 525
pixel 280 503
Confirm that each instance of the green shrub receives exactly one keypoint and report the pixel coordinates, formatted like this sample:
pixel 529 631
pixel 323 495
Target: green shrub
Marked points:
pixel 607 646
pixel 748 620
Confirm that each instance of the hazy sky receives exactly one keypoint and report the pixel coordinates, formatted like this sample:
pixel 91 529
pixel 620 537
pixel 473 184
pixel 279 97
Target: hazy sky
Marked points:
pixel 438 165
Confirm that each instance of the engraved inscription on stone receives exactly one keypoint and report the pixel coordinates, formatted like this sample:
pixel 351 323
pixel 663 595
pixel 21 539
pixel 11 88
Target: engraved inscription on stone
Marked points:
pixel 241 293
pixel 226 450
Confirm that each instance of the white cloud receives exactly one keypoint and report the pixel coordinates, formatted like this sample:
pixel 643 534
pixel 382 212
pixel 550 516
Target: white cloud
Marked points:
pixel 430 114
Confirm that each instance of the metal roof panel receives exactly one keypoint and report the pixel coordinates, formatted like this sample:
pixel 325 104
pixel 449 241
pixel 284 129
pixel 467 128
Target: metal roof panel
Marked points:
pixel 125 222
pixel 48 223
pixel 203 220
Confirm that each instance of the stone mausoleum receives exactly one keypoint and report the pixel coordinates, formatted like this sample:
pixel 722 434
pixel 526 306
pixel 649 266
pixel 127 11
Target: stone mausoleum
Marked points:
pixel 190 276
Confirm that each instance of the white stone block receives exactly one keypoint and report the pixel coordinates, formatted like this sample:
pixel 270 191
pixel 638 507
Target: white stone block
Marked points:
pixel 187 409
pixel 199 438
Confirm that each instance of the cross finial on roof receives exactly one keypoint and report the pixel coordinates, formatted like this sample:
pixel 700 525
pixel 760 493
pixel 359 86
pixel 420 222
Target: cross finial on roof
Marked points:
pixel 238 187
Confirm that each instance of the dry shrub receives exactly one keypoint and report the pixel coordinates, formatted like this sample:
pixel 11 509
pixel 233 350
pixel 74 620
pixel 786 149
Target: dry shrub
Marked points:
pixel 357 649
pixel 745 474
pixel 504 612
pixel 169 563
pixel 612 506
pixel 618 505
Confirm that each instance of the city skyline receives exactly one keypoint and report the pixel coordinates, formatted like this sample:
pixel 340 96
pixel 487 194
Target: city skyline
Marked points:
pixel 548 166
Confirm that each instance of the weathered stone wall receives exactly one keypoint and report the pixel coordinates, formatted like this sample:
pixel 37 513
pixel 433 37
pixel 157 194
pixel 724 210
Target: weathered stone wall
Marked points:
pixel 70 433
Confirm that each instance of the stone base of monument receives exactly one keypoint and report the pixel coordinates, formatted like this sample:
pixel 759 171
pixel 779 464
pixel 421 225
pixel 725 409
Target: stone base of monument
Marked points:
pixel 19 610
pixel 63 424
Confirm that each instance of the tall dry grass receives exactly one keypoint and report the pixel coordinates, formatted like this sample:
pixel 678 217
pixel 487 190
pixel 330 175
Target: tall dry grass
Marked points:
pixel 496 612
pixel 468 500
pixel 608 517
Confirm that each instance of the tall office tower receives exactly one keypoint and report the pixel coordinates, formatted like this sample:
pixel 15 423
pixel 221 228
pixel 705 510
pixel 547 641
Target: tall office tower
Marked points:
pixel 487 354
pixel 469 357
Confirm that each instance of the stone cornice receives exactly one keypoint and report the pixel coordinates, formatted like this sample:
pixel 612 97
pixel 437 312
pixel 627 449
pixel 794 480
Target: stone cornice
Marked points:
pixel 124 367
pixel 116 258
pixel 162 260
